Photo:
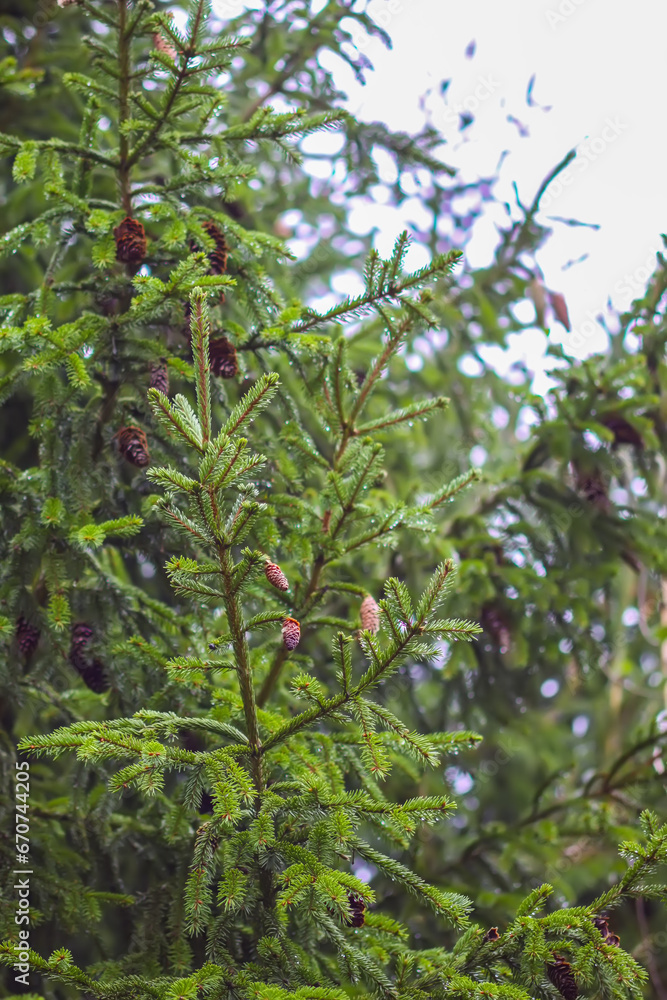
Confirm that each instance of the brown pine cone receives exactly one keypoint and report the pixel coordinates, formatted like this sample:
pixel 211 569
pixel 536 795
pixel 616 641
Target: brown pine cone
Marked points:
pixel 133 446
pixel 130 241
pixel 159 377
pixel 220 253
pixel 369 614
pixel 496 624
pixel 291 633
pixel 560 974
pixel 223 358
pixel 81 635
pixel 358 910
pixel 92 672
pixel 218 256
pixel 275 576
pixel 27 636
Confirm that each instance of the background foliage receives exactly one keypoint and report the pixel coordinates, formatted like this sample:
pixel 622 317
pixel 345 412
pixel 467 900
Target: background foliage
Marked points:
pixel 559 540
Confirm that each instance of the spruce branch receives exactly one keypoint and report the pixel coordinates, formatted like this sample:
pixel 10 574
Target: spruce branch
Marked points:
pixel 406 627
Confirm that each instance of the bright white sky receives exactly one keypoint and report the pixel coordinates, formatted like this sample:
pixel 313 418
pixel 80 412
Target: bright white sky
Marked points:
pixel 599 65
pixel 596 62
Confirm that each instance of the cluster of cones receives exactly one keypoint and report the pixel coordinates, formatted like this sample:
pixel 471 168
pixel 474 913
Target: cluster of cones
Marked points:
pixel 131 245
pixel 369 612
pixel 560 971
pixel 91 670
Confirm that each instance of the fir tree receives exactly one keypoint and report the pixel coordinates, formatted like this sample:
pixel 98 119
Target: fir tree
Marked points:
pixel 261 774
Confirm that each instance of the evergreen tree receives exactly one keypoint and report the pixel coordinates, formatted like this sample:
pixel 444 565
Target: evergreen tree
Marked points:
pixel 263 708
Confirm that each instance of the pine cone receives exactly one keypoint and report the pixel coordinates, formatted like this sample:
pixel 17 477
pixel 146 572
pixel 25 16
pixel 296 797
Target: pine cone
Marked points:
pixel 291 633
pixel 159 377
pixel 491 935
pixel 603 927
pixel 369 613
pixel 623 431
pixel 591 483
pixel 560 974
pixel 27 636
pixel 218 256
pixel 133 446
pixel 94 676
pixel 130 241
pixel 495 623
pixel 275 576
pixel 223 358
pixel 92 673
pixel 358 908
pixel 220 253
pixel 80 636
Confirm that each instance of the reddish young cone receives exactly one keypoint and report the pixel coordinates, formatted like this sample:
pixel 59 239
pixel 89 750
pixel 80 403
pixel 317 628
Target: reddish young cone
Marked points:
pixel 291 633
pixel 133 446
pixel 369 613
pixel 164 46
pixel 27 636
pixel 223 358
pixel 275 576
pixel 130 241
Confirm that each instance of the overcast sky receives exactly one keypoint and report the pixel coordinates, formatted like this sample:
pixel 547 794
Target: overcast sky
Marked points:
pixel 599 65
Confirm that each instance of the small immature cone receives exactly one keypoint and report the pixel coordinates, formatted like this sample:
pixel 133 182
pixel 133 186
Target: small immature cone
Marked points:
pixel 369 613
pixel 27 636
pixel 496 624
pixel 162 45
pixel 130 241
pixel 560 974
pixel 160 377
pixel 275 576
pixel 133 446
pixel 291 633
pixel 559 306
pixel 223 358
